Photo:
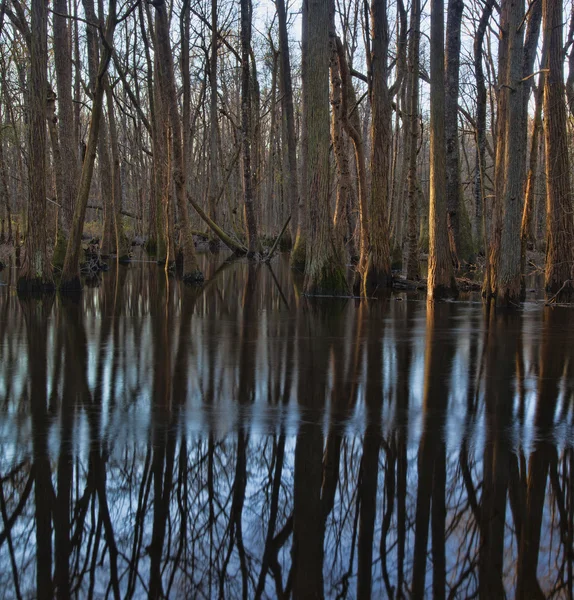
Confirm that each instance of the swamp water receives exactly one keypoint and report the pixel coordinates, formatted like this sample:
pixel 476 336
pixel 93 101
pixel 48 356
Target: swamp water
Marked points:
pixel 242 441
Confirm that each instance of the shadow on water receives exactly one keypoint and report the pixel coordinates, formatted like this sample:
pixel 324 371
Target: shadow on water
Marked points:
pixel 240 440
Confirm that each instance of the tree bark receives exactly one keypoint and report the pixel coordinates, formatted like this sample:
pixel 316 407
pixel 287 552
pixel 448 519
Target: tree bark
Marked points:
pixel 324 273
pixel 68 149
pixel 454 200
pixel 213 121
pixel 377 271
pixel 560 225
pixel 481 233
pixel 247 129
pixel 299 252
pixel 441 280
pixel 36 273
pixel 509 286
pixel 412 270
pixel 71 271
pixel 291 178
pixel 166 82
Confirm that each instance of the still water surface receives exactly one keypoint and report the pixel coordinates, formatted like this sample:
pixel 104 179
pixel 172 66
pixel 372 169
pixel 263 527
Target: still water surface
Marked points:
pixel 242 441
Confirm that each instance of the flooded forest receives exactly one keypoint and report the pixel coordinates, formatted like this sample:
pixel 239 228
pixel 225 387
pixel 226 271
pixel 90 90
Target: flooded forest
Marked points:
pixel 286 299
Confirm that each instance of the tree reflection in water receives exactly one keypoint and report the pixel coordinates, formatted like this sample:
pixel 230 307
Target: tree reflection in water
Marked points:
pixel 242 441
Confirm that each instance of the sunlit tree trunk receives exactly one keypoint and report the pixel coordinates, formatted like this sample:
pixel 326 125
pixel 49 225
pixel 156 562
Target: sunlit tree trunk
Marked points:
pixel 440 280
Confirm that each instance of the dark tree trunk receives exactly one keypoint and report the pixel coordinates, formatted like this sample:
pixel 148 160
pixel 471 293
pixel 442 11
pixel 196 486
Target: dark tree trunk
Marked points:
pixel 247 129
pixel 454 200
pixel 560 224
pixel 291 179
pixel 36 273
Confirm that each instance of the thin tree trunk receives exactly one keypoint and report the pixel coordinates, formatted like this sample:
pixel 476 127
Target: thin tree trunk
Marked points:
pixel 68 153
pixel 481 233
pixel 71 271
pixel 291 185
pixel 166 82
pixel 441 280
pixel 454 200
pixel 213 123
pixel 413 271
pixel 299 252
pixel 247 129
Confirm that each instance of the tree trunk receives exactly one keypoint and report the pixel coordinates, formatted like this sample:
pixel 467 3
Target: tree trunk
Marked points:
pixel 441 280
pixel 377 272
pixel 481 233
pixel 454 200
pixel 166 83
pixel 121 243
pixel 36 273
pixel 527 233
pixel 247 129
pixel 213 123
pixel 352 126
pixel 509 286
pixel 291 179
pixel 560 224
pixel 413 271
pixel 299 252
pixel 68 151
pixel 324 273
pixel 71 271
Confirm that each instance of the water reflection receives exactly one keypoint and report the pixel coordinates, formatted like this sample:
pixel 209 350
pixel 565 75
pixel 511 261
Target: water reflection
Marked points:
pixel 242 441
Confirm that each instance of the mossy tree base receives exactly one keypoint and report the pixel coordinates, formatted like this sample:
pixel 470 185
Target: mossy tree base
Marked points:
pixel 326 281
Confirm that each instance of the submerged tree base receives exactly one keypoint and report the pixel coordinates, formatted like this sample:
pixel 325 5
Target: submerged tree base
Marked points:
pixel 443 292
pixel 327 280
pixel 375 279
pixel 35 286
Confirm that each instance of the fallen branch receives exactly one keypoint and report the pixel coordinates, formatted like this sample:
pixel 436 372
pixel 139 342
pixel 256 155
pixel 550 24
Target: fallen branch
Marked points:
pixel 553 299
pixel 276 243
pixel 226 239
